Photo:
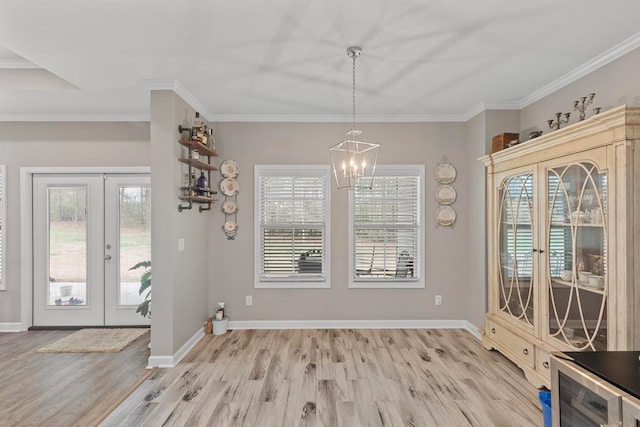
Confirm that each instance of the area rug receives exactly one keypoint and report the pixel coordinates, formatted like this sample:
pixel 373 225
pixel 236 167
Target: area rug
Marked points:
pixel 95 341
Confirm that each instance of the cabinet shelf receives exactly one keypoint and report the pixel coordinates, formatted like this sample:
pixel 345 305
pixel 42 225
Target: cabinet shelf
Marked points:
pixel 559 284
pixel 580 225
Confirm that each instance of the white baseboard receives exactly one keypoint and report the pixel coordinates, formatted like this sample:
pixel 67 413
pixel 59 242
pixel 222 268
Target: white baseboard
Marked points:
pixel 160 362
pixel 472 329
pixel 11 327
pixel 171 361
pixel 356 324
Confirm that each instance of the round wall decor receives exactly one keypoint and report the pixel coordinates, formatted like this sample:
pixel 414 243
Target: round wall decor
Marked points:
pixel 445 215
pixel 445 194
pixel 445 173
pixel 229 169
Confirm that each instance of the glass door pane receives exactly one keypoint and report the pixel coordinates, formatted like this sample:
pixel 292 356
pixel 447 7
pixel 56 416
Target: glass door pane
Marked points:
pixel 516 248
pixel 135 240
pixel 127 242
pixel 68 257
pixel 67 207
pixel 577 255
pixel 580 406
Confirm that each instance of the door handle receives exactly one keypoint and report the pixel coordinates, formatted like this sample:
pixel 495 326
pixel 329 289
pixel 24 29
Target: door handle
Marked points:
pixel 107 257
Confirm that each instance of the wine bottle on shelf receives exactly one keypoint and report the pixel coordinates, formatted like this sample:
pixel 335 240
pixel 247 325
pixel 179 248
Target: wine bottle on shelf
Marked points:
pixel 211 140
pixel 194 183
pixel 186 185
pixel 202 184
pixel 195 127
pixel 202 135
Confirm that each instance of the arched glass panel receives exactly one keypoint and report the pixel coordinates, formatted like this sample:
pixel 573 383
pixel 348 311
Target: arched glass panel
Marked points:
pixel 577 255
pixel 516 248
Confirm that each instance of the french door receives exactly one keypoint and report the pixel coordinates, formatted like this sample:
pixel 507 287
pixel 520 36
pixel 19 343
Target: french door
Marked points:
pixel 88 230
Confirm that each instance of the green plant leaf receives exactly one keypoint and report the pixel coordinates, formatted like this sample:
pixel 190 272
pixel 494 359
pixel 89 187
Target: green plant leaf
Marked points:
pixel 141 264
pixel 145 286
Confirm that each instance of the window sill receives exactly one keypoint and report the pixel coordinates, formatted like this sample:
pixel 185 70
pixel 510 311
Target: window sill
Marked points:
pixel 292 285
pixel 386 285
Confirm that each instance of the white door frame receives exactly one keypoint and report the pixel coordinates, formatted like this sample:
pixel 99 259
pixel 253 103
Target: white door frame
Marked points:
pixel 26 226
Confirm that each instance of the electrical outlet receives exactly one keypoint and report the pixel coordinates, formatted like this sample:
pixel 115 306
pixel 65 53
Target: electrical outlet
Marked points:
pixel 181 244
pixel 249 300
pixel 438 300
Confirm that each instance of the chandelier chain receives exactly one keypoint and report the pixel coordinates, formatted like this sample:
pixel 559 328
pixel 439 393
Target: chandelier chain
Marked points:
pixel 353 125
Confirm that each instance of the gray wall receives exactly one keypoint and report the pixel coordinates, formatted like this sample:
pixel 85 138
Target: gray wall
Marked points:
pixel 56 145
pixel 180 278
pixel 447 258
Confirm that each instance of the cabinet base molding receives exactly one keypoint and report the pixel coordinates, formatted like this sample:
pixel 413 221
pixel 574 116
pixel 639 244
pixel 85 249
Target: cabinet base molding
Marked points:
pixel 531 374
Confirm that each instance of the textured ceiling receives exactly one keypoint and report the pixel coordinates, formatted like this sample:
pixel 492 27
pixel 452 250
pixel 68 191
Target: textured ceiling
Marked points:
pixel 286 59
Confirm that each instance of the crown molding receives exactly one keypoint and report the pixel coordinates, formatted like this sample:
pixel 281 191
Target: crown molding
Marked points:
pixel 482 107
pixel 18 64
pixel 590 66
pixel 322 118
pixel 179 89
pixel 74 118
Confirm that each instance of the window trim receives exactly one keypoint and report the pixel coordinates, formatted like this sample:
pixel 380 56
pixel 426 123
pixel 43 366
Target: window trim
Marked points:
pixel 419 283
pixel 3 224
pixel 291 170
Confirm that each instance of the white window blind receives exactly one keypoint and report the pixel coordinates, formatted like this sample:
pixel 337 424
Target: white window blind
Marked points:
pixel 2 225
pixel 292 206
pixel 387 229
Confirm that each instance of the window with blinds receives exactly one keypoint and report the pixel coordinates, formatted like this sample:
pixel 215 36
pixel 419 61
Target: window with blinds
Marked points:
pixel 2 223
pixel 292 217
pixel 386 230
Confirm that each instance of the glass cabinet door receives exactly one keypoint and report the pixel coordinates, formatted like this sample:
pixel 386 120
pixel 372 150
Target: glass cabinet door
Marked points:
pixel 576 255
pixel 584 403
pixel 515 234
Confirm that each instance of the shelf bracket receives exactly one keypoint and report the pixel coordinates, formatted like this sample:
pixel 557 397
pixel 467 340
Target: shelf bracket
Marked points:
pixel 183 207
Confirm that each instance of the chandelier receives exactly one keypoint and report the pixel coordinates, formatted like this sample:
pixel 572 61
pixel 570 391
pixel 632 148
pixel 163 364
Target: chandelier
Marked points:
pixel 354 160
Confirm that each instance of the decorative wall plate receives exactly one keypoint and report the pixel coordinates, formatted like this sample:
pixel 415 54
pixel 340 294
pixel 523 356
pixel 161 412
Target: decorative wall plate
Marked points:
pixel 445 194
pixel 229 207
pixel 445 173
pixel 229 169
pixel 229 187
pixel 230 227
pixel 445 215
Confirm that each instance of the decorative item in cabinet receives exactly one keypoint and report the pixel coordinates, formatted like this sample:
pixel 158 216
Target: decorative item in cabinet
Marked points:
pixel 196 189
pixel 229 186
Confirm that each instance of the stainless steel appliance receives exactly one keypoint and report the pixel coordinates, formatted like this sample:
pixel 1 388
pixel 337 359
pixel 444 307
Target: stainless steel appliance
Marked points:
pixel 596 389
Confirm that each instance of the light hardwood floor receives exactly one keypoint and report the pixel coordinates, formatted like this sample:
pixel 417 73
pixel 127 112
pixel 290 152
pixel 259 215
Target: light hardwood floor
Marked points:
pixel 64 389
pixel 343 377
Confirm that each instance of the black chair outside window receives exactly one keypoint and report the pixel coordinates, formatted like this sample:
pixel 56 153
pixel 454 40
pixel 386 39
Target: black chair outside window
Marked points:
pixel 310 261
pixel 404 264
